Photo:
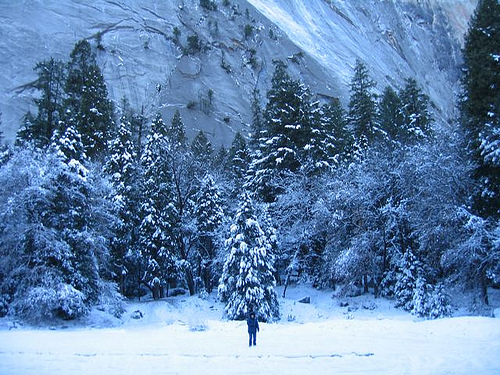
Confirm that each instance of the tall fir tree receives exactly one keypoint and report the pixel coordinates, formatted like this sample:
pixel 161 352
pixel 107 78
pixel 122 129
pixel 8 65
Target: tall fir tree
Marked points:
pixel 177 133
pixel 50 82
pixel 202 149
pixel 390 116
pixel 123 168
pixel 480 104
pixel 87 104
pixel 286 132
pixel 338 140
pixel 247 282
pixel 362 110
pixel 238 159
pixel 415 115
pixel 209 215
pixel 158 212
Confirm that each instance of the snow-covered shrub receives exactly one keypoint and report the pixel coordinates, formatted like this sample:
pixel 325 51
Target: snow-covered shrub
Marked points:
pixel 438 303
pixel 406 277
pixel 110 300
pixel 203 294
pixel 42 303
pixel 420 295
pixel 71 302
pixel 388 283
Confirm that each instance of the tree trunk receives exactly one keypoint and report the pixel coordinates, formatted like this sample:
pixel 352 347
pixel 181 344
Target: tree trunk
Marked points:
pixel 190 281
pixel 484 290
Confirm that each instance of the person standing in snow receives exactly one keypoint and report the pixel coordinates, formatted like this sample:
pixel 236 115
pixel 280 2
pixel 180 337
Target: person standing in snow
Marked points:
pixel 253 328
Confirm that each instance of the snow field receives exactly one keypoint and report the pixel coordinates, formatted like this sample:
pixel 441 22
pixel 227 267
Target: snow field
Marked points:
pixel 185 335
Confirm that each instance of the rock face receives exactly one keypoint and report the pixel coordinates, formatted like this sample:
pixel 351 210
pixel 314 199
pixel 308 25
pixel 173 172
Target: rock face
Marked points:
pixel 147 52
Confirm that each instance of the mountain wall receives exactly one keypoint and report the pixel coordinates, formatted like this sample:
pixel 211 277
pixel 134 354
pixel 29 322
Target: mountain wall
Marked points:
pixel 144 50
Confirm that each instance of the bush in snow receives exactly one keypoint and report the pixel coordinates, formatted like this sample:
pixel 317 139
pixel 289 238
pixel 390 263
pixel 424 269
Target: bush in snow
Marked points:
pixel 413 292
pixel 42 303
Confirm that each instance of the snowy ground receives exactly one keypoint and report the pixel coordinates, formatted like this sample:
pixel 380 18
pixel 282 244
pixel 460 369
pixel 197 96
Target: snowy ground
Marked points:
pixel 185 335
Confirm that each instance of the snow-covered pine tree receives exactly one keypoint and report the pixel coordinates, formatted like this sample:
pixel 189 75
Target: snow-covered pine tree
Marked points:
pixel 159 215
pixel 123 168
pixel 284 136
pixel 407 274
pixel 209 215
pixel 177 133
pixel 247 282
pixel 238 159
pixel 416 119
pixel 362 110
pixel 338 140
pixel 87 102
pixel 202 148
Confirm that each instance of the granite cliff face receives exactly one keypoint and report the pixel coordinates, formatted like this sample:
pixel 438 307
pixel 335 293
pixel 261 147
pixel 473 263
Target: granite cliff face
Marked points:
pixel 146 55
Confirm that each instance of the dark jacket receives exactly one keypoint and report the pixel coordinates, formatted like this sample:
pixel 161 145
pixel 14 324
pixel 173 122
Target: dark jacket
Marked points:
pixel 253 325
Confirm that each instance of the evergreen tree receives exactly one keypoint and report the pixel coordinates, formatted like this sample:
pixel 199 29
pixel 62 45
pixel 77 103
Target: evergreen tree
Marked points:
pixel 50 83
pixel 209 215
pixel 416 119
pixel 390 115
pixel 158 212
pixel 177 133
pixel 480 105
pixel 61 227
pixel 362 110
pixel 338 140
pixel 257 121
pixel 285 136
pixel 247 282
pixel 87 104
pixel 202 148
pixel 122 166
pixel 238 159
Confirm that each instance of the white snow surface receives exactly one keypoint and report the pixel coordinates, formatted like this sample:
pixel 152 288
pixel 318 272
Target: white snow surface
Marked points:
pixel 186 335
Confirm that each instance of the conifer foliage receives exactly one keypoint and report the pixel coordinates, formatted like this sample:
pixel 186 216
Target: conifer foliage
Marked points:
pixel 247 282
pixel 481 104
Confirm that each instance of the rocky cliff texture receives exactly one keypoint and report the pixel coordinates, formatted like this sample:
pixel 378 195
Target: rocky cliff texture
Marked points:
pixel 147 52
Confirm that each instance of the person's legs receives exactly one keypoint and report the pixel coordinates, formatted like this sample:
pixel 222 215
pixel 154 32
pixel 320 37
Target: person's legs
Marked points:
pixel 252 339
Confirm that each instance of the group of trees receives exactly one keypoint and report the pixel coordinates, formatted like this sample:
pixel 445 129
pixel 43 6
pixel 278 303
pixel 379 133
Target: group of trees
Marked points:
pixel 368 197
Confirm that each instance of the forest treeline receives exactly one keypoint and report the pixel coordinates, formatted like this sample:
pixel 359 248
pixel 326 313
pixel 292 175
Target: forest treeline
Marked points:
pixel 374 197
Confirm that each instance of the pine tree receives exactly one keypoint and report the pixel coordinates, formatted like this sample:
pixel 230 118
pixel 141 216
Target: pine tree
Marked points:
pixel 416 119
pixel 87 104
pixel 480 105
pixel 159 215
pixel 285 135
pixel 362 109
pixel 238 159
pixel 209 215
pixel 50 83
pixel 247 282
pixel 122 166
pixel 202 148
pixel 177 133
pixel 338 140
pixel 390 116
pixel 257 121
